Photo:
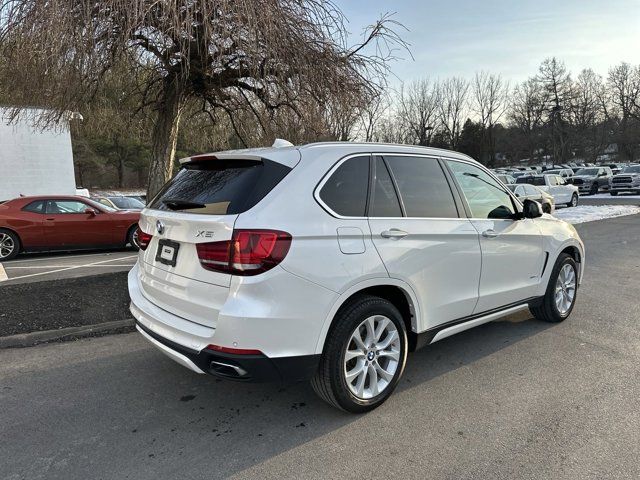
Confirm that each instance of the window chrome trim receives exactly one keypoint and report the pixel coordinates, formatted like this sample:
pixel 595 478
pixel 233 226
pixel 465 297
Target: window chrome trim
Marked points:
pixel 327 176
pixel 372 155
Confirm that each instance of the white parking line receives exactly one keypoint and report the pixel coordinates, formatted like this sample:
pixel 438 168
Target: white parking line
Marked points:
pixel 71 268
pixel 3 274
pixel 33 267
pixel 65 257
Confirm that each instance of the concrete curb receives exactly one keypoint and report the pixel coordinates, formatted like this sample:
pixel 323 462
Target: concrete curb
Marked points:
pixel 34 338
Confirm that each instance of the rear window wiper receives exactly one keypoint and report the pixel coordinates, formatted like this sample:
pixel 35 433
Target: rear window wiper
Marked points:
pixel 178 204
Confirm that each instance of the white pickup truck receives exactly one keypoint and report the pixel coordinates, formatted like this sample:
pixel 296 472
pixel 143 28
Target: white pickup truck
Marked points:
pixel 556 186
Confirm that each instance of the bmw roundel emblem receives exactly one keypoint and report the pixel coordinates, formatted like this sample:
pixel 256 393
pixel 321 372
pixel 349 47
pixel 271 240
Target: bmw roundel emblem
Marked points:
pixel 160 227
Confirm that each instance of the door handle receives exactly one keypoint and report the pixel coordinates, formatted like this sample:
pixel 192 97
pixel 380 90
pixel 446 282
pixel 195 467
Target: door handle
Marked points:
pixel 394 233
pixel 490 233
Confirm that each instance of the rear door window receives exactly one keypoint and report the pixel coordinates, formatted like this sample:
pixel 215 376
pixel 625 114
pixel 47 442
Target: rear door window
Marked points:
pixel 346 190
pixel 423 187
pixel 385 201
pixel 219 187
pixel 35 207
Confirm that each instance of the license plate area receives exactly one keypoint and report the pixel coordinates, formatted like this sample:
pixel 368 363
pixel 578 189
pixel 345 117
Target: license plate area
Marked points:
pixel 167 252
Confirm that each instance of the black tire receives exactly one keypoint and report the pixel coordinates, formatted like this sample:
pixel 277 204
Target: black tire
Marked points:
pixel 546 208
pixel 132 237
pixel 574 201
pixel 9 242
pixel 329 382
pixel 594 189
pixel 613 194
pixel 547 311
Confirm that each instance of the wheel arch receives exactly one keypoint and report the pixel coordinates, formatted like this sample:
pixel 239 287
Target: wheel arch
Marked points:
pixel 400 294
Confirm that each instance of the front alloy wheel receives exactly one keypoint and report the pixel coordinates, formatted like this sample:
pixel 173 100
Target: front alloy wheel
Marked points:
pixel 560 296
pixel 565 289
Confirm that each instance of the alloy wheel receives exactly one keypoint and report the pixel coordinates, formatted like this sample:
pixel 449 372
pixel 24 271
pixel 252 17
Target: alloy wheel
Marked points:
pixel 7 245
pixel 372 357
pixel 565 289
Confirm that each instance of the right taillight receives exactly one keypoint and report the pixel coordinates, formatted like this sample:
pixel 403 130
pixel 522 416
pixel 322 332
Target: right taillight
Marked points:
pixel 249 252
pixel 143 239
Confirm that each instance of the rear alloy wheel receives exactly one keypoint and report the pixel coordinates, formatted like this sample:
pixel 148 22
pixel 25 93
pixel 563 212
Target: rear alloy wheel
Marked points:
pixel 364 356
pixel 9 245
pixel 560 296
pixel 574 201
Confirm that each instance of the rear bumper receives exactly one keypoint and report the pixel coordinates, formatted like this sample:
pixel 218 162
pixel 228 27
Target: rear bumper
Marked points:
pixel 248 368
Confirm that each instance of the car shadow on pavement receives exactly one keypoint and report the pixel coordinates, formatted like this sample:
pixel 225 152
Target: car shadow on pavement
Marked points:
pixel 140 415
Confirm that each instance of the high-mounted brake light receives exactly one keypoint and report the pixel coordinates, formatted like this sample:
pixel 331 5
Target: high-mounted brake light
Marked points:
pixel 249 252
pixel 143 239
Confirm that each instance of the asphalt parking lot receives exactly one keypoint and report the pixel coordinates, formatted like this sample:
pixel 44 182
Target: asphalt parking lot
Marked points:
pixel 514 398
pixel 39 267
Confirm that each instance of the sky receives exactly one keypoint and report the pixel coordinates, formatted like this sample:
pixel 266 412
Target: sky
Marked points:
pixel 461 37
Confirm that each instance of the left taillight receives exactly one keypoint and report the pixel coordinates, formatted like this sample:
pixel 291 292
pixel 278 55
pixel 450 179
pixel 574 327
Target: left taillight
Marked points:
pixel 249 252
pixel 143 239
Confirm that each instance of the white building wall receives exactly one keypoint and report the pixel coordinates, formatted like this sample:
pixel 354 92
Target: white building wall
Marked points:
pixel 34 161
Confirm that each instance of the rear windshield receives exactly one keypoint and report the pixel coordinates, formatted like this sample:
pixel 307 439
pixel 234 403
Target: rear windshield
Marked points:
pixel 531 180
pixel 632 169
pixel 219 187
pixel 127 202
pixel 587 171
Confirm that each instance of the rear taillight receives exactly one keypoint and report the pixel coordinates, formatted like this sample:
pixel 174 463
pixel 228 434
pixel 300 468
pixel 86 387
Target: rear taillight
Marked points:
pixel 249 252
pixel 143 239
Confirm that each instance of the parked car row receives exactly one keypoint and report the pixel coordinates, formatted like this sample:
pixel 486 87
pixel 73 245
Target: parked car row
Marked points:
pixel 589 180
pixel 562 192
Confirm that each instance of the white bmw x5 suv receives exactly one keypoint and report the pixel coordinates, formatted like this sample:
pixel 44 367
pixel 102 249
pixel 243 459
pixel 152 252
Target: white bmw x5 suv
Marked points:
pixel 332 261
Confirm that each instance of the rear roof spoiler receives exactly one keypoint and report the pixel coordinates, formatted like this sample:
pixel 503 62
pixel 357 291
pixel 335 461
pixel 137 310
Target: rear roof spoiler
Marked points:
pixel 220 156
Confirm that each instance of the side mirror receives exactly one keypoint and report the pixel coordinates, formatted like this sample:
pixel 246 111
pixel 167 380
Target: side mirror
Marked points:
pixel 90 211
pixel 532 209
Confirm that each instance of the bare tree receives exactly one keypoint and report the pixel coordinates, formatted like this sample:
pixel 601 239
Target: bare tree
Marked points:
pixel 586 114
pixel 417 110
pixel 371 115
pixel 452 103
pixel 226 54
pixel 528 108
pixel 556 81
pixel 490 94
pixel 624 88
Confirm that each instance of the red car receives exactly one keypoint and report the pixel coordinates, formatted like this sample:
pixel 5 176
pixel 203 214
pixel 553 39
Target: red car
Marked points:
pixel 63 223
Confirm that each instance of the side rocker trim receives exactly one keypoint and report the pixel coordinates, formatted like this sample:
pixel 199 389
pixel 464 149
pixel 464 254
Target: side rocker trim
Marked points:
pixel 456 326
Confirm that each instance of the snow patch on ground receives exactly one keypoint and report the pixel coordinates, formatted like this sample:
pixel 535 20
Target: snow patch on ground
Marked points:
pixel 591 213
pixel 607 195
